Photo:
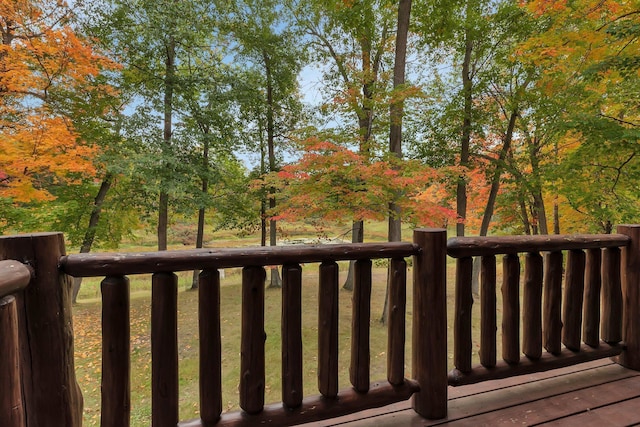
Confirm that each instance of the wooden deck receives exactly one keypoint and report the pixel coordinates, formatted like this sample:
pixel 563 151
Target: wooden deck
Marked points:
pixel 599 393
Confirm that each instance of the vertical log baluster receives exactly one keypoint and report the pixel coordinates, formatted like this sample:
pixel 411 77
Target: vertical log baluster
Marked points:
pixel 573 297
pixel 116 350
pixel 488 312
pixel 210 345
pixel 592 286
pixel 360 325
pixel 553 303
pixel 630 262
pixel 532 306
pixel 164 350
pixel 611 297
pixel 328 330
pixel 252 365
pixel 511 309
pixel 396 328
pixel 462 344
pixel 429 341
pixel 292 335
pixel 11 407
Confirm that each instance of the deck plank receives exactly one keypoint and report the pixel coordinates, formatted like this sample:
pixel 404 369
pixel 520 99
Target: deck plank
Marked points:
pixel 560 396
pixel 619 414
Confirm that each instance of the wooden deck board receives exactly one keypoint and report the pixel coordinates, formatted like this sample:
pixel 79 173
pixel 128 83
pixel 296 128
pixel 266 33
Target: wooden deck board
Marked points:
pixel 592 394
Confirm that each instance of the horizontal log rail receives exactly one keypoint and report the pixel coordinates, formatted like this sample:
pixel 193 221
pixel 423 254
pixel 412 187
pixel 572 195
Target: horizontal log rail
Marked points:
pixel 14 277
pixel 294 408
pixel 561 326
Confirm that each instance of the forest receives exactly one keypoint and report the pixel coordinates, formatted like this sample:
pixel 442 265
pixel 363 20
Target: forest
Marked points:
pixel 499 116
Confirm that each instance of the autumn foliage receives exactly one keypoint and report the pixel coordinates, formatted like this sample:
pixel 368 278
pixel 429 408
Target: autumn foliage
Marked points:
pixel 42 63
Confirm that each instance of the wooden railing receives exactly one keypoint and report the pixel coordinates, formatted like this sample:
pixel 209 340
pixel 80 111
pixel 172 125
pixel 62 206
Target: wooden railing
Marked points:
pixel 555 333
pixel 557 330
pixel 429 293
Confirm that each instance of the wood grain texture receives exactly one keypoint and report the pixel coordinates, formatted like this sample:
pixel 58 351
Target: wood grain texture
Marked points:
pixel 511 309
pixel 252 365
pixel 532 306
pixel 292 387
pixel 592 288
pixel 11 407
pixel 360 327
pixel 397 321
pixel 552 308
pixel 210 345
pixel 631 297
pixel 126 263
pixel 573 298
pixel 51 395
pixel 164 350
pixel 462 340
pixel 328 330
pixel 116 350
pixel 488 324
pixel 460 247
pixel 611 296
pixel 429 340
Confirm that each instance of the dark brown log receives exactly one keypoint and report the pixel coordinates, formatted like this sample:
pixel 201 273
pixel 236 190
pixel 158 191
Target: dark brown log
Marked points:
pixel 252 368
pixel 116 348
pixel 360 321
pixel 317 408
pixel 51 395
pixel 210 345
pixel 592 286
pixel 11 407
pixel 105 264
pixel 532 306
pixel 511 309
pixel 611 297
pixel 328 330
pixel 462 342
pixel 164 349
pixel 630 358
pixel 488 307
pixel 552 316
pixel 429 340
pixel 461 247
pixel 396 325
pixel 573 296
pixel 14 276
pixel 292 387
pixel 546 362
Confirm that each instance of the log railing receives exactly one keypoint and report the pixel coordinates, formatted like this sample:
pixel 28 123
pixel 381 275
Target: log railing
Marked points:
pixel 560 327
pixel 429 331
pixel 14 277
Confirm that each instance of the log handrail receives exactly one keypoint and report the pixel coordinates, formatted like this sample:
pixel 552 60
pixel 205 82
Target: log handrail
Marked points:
pixel 14 277
pixel 569 331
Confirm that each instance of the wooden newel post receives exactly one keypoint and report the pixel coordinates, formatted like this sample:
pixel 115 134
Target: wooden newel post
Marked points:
pixel 630 267
pixel 51 393
pixel 430 323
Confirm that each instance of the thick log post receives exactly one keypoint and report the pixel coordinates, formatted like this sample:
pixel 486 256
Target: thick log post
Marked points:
pixel 511 309
pixel 210 345
pixel 328 330
pixel 11 408
pixel 573 298
pixel 429 348
pixel 611 297
pixel 552 330
pixel 396 329
pixel 532 306
pixel 51 393
pixel 462 341
pixel 630 357
pixel 360 325
pixel 164 350
pixel 292 387
pixel 488 347
pixel 591 309
pixel 116 350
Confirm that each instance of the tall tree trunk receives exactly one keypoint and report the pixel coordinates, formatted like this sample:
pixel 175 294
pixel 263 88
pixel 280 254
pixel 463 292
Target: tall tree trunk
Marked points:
pixel 263 201
pixel 396 112
pixel 357 236
pixel 202 210
pixel 90 233
pixel 493 194
pixel 169 81
pixel 276 281
pixel 467 88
